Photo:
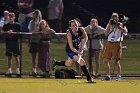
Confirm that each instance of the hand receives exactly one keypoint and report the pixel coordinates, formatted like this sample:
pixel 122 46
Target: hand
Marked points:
pixel 95 35
pixel 10 31
pixel 84 48
pixel 80 53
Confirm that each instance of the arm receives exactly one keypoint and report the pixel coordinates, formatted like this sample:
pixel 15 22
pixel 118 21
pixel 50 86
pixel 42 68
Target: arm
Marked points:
pixel 87 29
pixel 107 30
pixel 4 30
pixel 52 31
pixel 8 32
pixel 85 38
pixel 123 29
pixel 49 30
pixel 101 31
pixel 29 26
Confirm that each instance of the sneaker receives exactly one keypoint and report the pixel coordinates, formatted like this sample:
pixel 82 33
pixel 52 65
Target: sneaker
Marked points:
pixel 92 75
pixel 106 78
pixel 34 73
pixel 9 71
pixel 17 71
pixel 45 74
pixel 91 81
pixel 53 64
pixel 97 75
pixel 118 78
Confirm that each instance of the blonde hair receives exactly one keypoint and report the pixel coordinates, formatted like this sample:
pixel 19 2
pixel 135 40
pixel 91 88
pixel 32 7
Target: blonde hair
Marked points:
pixel 114 15
pixel 47 25
pixel 6 12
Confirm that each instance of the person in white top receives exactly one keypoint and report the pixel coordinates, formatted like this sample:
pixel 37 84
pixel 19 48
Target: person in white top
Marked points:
pixel 4 19
pixel 115 31
pixel 34 39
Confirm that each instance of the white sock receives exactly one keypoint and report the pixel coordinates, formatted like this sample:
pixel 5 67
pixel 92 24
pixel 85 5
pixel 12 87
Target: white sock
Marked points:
pixel 17 69
pixel 10 70
pixel 108 75
pixel 34 69
pixel 118 75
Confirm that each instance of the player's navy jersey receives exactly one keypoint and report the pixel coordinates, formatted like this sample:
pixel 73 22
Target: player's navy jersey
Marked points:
pixel 75 40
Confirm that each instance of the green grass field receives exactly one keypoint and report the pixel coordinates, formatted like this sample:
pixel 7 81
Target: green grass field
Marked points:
pixel 38 85
pixel 130 65
pixel 130 59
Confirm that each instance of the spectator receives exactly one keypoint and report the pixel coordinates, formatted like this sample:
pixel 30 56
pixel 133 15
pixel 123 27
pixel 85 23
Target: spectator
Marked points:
pixel 44 47
pixel 12 44
pixel 114 31
pixel 55 12
pixel 94 32
pixel 4 19
pixel 34 29
pixel 25 9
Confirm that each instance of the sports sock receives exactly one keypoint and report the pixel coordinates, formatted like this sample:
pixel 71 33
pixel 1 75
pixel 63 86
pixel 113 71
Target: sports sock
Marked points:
pixel 85 71
pixel 118 75
pixel 60 63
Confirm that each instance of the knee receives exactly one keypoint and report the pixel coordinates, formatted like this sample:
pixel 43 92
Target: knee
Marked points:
pixel 117 62
pixel 68 64
pixel 82 62
pixel 106 61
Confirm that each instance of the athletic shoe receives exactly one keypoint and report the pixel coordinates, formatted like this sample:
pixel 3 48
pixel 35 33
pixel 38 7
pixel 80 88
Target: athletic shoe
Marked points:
pixel 45 75
pixel 34 73
pixel 17 71
pixel 97 75
pixel 118 78
pixel 9 71
pixel 91 81
pixel 106 78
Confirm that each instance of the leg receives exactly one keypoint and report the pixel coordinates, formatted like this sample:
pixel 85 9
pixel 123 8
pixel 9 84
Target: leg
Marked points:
pixel 97 62
pixel 116 55
pixel 90 61
pixel 84 69
pixel 107 66
pixel 107 69
pixel 9 62
pixel 17 61
pixel 68 63
pixel 17 64
pixel 78 69
pixel 34 63
pixel 65 63
pixel 118 69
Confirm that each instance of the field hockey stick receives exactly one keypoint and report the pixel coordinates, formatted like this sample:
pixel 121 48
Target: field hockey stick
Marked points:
pixel 80 56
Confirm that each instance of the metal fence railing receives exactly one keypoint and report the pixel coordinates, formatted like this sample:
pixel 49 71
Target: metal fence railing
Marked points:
pixel 130 60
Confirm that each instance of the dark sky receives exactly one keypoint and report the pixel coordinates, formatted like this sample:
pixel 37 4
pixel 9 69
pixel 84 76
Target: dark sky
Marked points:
pixel 86 9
